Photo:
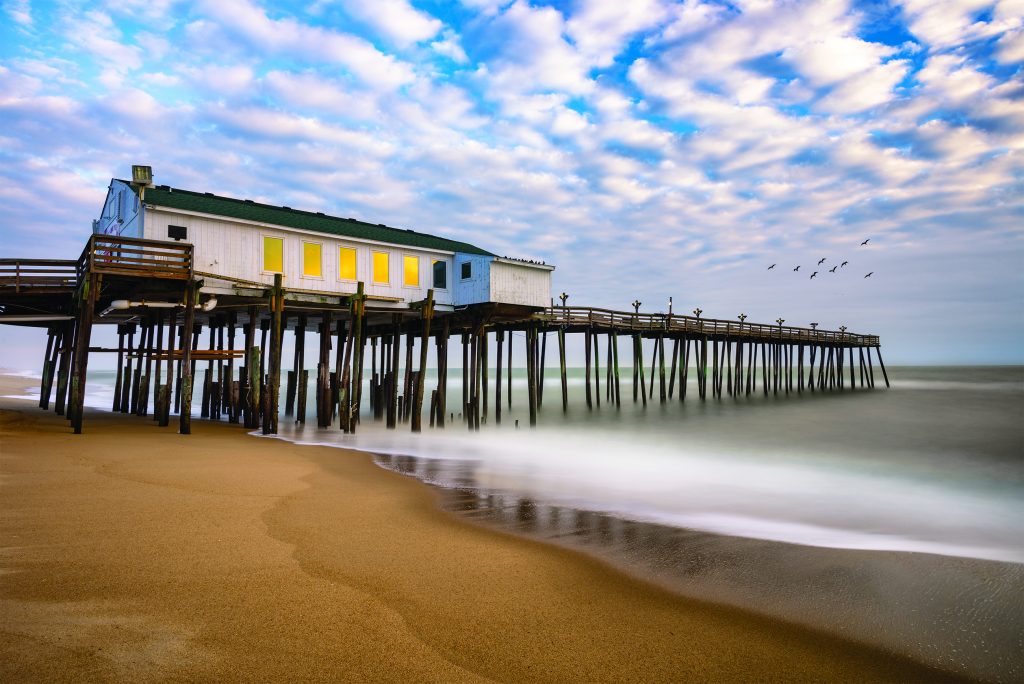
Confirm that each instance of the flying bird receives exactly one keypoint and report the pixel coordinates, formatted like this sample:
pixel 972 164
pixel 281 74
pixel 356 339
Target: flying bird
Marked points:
pixel 865 242
pixel 771 267
pixel 868 275
pixel 796 269
pixel 833 269
pixel 844 263
pixel 814 274
pixel 821 261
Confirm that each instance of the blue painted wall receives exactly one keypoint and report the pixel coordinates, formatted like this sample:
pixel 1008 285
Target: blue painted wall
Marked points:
pixel 476 289
pixel 122 212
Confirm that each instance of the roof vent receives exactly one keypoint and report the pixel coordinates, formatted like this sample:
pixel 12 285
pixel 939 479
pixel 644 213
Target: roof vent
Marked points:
pixel 142 175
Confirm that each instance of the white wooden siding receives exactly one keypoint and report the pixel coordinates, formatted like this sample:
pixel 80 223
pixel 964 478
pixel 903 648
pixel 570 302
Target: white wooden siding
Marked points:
pixel 525 284
pixel 225 247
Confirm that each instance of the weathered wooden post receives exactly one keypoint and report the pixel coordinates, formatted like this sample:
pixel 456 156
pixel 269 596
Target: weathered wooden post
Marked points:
pixel 89 294
pixel 157 379
pixel 396 348
pixel 878 352
pixel 509 379
pixel 586 355
pixel 597 369
pixel 185 412
pixel 543 363
pixel 406 412
pixel 64 371
pixel 500 334
pixel 484 371
pixel 531 344
pixel 561 369
pixel 272 404
pixel 442 371
pixel 427 315
pixel 672 368
pixel 117 378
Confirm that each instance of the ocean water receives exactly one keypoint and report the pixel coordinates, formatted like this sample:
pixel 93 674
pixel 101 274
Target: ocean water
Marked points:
pixel 893 517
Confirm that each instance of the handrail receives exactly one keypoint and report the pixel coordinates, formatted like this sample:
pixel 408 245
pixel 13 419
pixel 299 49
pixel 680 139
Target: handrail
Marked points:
pixel 574 315
pixel 117 255
pixel 38 275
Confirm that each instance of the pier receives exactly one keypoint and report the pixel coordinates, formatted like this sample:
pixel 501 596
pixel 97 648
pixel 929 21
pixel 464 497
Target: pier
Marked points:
pixel 173 321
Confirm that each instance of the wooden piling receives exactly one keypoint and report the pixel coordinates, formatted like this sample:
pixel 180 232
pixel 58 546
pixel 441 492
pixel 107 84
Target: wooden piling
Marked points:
pixel 88 296
pixel 396 347
pixel 500 334
pixel 185 407
pixel 597 369
pixel 276 338
pixel 531 344
pixel 541 366
pixel 427 315
pixel 613 340
pixel 561 369
pixel 586 355
pixel 881 365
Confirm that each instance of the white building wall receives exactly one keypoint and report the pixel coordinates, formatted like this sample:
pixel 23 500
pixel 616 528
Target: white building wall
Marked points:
pixel 229 248
pixel 524 284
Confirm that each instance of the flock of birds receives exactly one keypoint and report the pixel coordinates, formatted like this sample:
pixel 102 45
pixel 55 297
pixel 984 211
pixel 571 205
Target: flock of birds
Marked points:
pixel 831 270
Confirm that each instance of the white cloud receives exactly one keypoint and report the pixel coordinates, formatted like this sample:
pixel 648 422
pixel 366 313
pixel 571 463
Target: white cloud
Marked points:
pixel 1010 48
pixel 953 22
pixel 869 89
pixel 395 20
pixel 600 28
pixel 20 11
pixel 450 47
pixel 315 44
pixel 311 91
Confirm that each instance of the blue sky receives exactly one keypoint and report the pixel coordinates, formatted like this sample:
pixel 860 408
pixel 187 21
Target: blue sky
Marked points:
pixel 648 148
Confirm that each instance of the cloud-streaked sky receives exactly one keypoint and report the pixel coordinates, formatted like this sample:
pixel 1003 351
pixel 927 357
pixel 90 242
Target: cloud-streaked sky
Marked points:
pixel 649 148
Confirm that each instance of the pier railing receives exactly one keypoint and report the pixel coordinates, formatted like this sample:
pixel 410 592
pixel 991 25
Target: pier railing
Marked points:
pixel 38 276
pixel 626 321
pixel 111 254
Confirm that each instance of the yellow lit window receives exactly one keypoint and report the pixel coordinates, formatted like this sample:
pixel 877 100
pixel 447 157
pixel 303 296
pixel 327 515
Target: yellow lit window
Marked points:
pixel 347 263
pixel 411 271
pixel 380 268
pixel 273 255
pixel 311 260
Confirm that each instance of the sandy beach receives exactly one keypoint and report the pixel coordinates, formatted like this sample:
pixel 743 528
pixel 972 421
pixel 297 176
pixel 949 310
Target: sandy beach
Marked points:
pixel 131 552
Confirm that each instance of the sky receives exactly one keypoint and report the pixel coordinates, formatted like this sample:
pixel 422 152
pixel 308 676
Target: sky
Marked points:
pixel 648 148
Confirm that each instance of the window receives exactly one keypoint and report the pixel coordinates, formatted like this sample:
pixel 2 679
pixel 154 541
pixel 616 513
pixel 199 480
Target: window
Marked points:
pixel 411 271
pixel 467 270
pixel 311 266
pixel 440 275
pixel 273 254
pixel 347 263
pixel 177 232
pixel 380 268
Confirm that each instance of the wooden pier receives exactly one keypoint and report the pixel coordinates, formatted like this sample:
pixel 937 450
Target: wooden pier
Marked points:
pixel 162 308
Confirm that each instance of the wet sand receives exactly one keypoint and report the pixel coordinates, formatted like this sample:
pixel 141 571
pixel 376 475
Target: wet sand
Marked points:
pixel 133 552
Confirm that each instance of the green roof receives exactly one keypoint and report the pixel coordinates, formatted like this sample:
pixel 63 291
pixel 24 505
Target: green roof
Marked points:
pixel 208 203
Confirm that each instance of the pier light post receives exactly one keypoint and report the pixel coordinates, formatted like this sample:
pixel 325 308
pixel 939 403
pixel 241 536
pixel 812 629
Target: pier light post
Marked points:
pixel 564 297
pixel 742 317
pixel 780 321
pixel 636 306
pixel 697 313
pixel 842 329
pixel 814 327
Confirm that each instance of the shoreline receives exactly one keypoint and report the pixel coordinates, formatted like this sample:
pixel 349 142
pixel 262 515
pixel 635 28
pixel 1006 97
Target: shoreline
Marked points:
pixel 335 567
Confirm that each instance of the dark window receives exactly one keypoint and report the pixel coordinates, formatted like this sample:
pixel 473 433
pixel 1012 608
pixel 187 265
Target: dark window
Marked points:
pixel 177 232
pixel 467 270
pixel 440 275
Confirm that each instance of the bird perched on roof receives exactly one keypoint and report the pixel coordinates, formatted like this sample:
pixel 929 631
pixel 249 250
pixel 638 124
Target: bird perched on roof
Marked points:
pixel 821 260
pixel 844 263
pixel 814 274
pixel 865 242
pixel 796 269
pixel 771 267
pixel 833 269
pixel 868 275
